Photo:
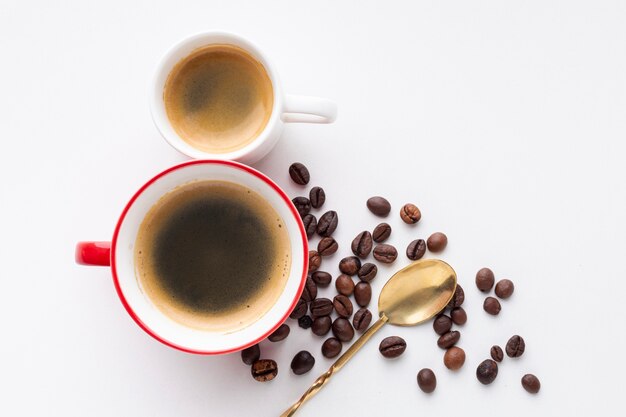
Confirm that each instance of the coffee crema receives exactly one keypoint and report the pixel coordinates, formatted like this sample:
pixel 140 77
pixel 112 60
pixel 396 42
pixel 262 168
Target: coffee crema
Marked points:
pixel 219 98
pixel 213 255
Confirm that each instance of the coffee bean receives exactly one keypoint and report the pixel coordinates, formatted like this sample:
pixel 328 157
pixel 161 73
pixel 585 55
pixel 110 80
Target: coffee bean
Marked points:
pixel 504 288
pixel 379 206
pixel 392 346
pixel 310 290
pixel 487 371
pixel 331 347
pixel 302 363
pixel 531 383
pixel 367 272
pixel 454 358
pixel 447 340
pixel 410 214
pixel 385 253
pixel 303 205
pixel 327 246
pixel 437 242
pixel 327 224
pixel 492 306
pixel 496 353
pixel 362 244
pixel 321 307
pixel 279 334
pixel 485 279
pixel 342 329
pixel 305 322
pixel 264 370
pixel 344 285
pixel 321 278
pixel 299 310
pixel 251 354
pixel 362 319
pixel 310 224
pixel 416 249
pixel 459 316
pixel 350 265
pixel 457 298
pixel 442 324
pixel 515 347
pixel 426 380
pixel 299 173
pixel 315 260
pixel 362 293
pixel 317 197
pixel 321 325
pixel 343 306
pixel 381 232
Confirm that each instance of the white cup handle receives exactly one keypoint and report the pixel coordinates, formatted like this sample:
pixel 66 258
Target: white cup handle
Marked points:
pixel 306 109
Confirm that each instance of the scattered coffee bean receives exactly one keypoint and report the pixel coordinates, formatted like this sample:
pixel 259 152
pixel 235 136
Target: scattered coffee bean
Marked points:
pixel 392 346
pixel 327 224
pixel 251 354
pixel 344 285
pixel 416 249
pixel 299 173
pixel 331 347
pixel 299 310
pixel 315 260
pixel 310 224
pixel 321 325
pixel 437 242
pixel 343 306
pixel 459 316
pixel 426 380
pixel 350 265
pixel 381 232
pixel 385 253
pixel 305 322
pixel 496 353
pixel 492 306
pixel 504 288
pixel 362 293
pixel 487 371
pixel 362 244
pixel 327 246
pixel 367 272
pixel 485 279
pixel 309 293
pixel 321 307
pixel 279 334
pixel 447 340
pixel 442 324
pixel 410 214
pixel 457 298
pixel 317 197
pixel 321 278
pixel 362 319
pixel 342 329
pixel 454 358
pixel 379 206
pixel 303 205
pixel 264 370
pixel 302 363
pixel 515 347
pixel 531 383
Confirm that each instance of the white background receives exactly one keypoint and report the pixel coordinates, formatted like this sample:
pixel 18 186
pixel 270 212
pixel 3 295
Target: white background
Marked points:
pixel 503 121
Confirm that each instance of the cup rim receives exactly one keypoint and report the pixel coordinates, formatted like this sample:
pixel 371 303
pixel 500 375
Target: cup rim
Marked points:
pixel 250 171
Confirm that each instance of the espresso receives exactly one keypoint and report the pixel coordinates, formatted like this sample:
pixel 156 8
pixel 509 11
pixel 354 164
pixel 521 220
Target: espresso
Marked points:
pixel 213 255
pixel 219 98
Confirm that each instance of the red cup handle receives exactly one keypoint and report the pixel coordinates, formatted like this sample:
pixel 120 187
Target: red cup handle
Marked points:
pixel 93 253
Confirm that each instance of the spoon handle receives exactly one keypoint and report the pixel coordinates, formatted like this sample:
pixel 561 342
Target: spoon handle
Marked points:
pixel 335 367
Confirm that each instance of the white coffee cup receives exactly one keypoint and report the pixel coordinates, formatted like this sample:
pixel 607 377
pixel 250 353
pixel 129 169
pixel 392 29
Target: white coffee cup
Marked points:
pixel 286 108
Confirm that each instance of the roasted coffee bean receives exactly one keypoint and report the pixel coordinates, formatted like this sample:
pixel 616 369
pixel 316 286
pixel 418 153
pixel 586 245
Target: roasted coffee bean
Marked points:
pixel 381 232
pixel 457 298
pixel 487 371
pixel 251 354
pixel 379 206
pixel 385 253
pixel 310 224
pixel 447 340
pixel 492 306
pixel 327 224
pixel 496 353
pixel 459 316
pixel 504 288
pixel 437 242
pixel 342 329
pixel 317 197
pixel 367 272
pixel 264 370
pixel 515 347
pixel 485 279
pixel 331 347
pixel 327 246
pixel 531 383
pixel 279 334
pixel 321 325
pixel 315 260
pixel 350 265
pixel 362 319
pixel 392 346
pixel 344 285
pixel 321 307
pixel 321 278
pixel 454 358
pixel 303 205
pixel 302 363
pixel 442 324
pixel 426 380
pixel 305 322
pixel 416 249
pixel 362 244
pixel 410 214
pixel 343 306
pixel 299 310
pixel 310 290
pixel 362 293
pixel 299 173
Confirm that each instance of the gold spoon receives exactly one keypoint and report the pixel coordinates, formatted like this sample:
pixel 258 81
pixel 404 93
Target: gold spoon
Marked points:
pixel 412 295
